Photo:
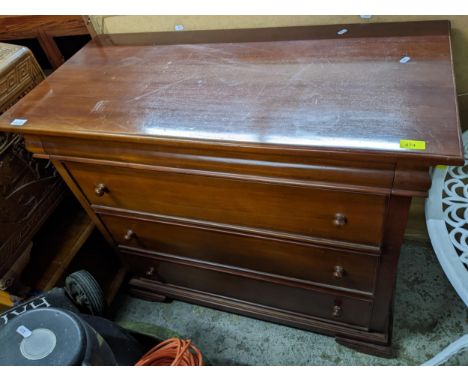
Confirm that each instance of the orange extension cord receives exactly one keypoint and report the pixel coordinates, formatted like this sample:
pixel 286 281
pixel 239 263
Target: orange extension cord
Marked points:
pixel 172 352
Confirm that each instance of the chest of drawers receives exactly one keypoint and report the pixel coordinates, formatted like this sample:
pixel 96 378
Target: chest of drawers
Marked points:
pixel 263 172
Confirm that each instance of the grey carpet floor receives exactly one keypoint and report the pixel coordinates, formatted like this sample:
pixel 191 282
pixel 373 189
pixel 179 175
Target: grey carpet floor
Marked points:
pixel 428 316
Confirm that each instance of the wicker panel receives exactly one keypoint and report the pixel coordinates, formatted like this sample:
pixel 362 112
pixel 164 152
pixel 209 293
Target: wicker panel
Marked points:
pixel 29 188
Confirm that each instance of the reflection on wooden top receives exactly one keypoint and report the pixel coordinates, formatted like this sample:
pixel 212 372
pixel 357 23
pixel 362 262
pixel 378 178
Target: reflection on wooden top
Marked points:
pixel 311 88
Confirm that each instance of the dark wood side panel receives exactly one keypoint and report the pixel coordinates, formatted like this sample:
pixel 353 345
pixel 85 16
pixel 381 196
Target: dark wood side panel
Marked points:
pixel 395 224
pixel 411 180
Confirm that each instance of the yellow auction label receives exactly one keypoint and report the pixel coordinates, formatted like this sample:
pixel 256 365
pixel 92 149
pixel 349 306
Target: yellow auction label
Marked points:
pixel 412 145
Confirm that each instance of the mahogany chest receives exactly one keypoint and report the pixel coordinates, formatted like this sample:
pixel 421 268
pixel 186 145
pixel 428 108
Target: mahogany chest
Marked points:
pixel 266 172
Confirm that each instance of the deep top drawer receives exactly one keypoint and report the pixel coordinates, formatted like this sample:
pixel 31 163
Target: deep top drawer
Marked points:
pixel 302 210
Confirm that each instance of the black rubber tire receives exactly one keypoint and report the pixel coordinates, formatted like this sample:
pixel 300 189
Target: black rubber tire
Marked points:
pixel 85 292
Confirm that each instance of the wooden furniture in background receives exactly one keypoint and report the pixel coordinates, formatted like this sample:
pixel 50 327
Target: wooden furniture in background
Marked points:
pixel 45 29
pixel 258 171
pixel 29 188
pixel 66 243
pixel 19 74
pixel 57 244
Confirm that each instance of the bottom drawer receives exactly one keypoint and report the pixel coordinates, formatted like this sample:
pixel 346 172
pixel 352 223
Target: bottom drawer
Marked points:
pixel 325 305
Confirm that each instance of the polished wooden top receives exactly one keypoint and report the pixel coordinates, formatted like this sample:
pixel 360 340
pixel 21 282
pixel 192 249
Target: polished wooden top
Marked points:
pixel 332 88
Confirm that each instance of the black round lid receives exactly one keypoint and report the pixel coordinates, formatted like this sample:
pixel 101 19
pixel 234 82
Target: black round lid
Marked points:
pixel 37 337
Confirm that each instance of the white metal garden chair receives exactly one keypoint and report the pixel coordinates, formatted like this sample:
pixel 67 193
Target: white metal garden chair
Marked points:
pixel 447 225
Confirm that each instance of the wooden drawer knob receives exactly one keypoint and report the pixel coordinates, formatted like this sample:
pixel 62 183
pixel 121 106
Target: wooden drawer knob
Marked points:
pixel 129 235
pixel 340 220
pixel 338 272
pixel 100 189
pixel 337 310
pixel 150 271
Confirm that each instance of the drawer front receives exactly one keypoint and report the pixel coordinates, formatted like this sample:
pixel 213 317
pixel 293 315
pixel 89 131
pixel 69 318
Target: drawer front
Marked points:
pixel 335 215
pixel 328 306
pixel 342 269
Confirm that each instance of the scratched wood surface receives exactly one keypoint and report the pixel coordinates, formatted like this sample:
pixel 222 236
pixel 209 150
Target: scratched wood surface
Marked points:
pixel 267 162
pixel 324 91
